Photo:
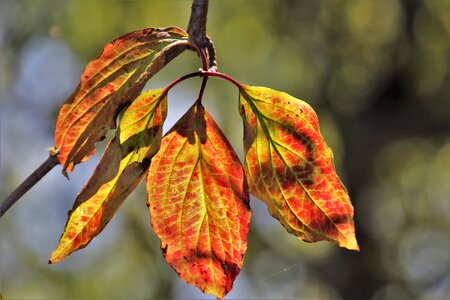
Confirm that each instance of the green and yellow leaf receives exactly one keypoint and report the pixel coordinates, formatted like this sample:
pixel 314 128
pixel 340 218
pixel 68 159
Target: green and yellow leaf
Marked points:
pixel 198 202
pixel 289 166
pixel 123 165
pixel 110 82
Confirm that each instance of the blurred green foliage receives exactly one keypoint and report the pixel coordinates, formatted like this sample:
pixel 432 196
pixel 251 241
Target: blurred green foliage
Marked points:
pixel 376 71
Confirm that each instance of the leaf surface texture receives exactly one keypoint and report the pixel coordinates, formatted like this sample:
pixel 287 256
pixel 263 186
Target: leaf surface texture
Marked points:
pixel 289 166
pixel 121 168
pixel 198 203
pixel 110 82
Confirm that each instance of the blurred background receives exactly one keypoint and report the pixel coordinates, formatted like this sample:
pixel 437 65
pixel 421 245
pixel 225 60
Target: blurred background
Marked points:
pixel 376 71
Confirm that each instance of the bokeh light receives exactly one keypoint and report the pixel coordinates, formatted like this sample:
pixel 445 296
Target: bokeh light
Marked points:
pixel 377 72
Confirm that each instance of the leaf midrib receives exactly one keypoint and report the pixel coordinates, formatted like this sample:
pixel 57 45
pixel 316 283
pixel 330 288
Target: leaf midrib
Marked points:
pixel 264 126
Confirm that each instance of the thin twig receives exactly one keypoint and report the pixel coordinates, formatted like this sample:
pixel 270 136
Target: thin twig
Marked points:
pixel 197 31
pixel 197 22
pixel 29 182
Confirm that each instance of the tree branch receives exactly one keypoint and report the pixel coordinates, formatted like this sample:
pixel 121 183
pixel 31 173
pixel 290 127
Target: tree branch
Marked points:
pixel 197 31
pixel 30 181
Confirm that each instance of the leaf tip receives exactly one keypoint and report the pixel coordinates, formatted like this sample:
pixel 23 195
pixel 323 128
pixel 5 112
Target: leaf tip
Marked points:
pixel 52 260
pixel 64 172
pixel 56 256
pixel 350 243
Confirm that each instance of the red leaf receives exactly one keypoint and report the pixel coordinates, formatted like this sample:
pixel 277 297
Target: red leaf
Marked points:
pixel 198 203
pixel 122 167
pixel 290 168
pixel 108 83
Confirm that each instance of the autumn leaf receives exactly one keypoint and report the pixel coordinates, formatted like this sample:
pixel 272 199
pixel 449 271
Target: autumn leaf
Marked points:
pixel 198 203
pixel 122 167
pixel 289 166
pixel 110 82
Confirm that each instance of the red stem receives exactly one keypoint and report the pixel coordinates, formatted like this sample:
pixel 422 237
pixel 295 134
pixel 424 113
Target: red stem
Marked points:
pixel 202 89
pixel 223 76
pixel 202 55
pixel 183 78
pixel 204 74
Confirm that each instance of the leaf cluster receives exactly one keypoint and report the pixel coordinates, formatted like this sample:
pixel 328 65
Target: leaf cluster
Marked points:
pixel 198 190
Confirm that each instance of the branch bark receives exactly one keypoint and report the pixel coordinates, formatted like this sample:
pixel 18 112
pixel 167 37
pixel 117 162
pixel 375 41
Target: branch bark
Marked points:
pixel 197 31
pixel 29 182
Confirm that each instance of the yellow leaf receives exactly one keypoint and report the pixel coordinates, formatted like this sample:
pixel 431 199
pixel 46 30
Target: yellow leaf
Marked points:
pixel 289 166
pixel 123 165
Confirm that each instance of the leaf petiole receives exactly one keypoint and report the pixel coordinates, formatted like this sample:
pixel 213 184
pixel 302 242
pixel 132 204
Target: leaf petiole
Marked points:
pixel 206 74
pixel 181 79
pixel 202 89
pixel 223 76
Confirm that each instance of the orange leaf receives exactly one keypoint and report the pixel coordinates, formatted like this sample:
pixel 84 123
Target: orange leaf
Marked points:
pixel 198 203
pixel 290 168
pixel 122 167
pixel 108 83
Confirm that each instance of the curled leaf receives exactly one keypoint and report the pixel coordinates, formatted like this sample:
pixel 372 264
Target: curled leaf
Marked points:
pixel 122 167
pixel 289 166
pixel 110 82
pixel 198 203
